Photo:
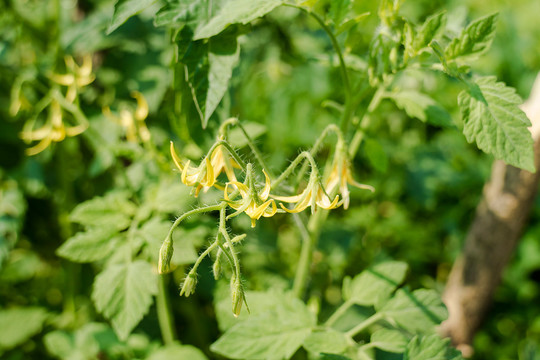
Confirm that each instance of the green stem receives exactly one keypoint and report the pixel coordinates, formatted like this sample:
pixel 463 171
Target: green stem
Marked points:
pixel 339 312
pixel 223 229
pixel 364 324
pixel 293 165
pixel 164 312
pixel 364 122
pixel 193 212
pixel 306 255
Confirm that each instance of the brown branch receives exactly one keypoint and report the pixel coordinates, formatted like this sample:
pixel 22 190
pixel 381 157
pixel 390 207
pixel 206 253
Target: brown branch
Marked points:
pixel 489 245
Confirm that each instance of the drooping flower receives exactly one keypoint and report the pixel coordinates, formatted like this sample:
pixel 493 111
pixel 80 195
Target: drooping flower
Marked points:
pixel 200 177
pixel 222 162
pixel 53 130
pixel 314 195
pixel 132 121
pixel 76 76
pixel 340 176
pixel 254 203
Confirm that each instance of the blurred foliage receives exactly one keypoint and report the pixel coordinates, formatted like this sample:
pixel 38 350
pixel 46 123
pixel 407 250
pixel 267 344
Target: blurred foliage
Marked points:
pixel 284 88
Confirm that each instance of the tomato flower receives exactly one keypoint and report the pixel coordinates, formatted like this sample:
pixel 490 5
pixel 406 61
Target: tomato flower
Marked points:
pixel 54 129
pixel 200 177
pixel 255 204
pixel 77 76
pixel 133 122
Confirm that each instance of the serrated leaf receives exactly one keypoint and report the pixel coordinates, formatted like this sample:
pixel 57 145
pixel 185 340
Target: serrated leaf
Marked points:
pixel 338 11
pixel 389 340
pixel 177 351
pixel 422 107
pixel 276 334
pixel 235 12
pixel 123 294
pixel 326 341
pixel 88 246
pixel 493 120
pixel 17 325
pixel 209 65
pixel 475 39
pixel 373 285
pixel 431 347
pixel 113 211
pixel 428 30
pixel 124 9
pixel 419 311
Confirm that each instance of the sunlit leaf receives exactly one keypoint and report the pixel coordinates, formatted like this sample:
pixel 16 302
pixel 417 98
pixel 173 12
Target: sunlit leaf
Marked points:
pixel 474 39
pixel 421 106
pixel 417 311
pixel 389 340
pixel 493 120
pixel 431 347
pixel 326 341
pixel 113 211
pixel 123 294
pixel 124 9
pixel 235 12
pixel 177 351
pixel 92 245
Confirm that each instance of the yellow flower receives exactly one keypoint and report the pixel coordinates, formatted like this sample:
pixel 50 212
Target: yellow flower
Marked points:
pixel 76 77
pixel 340 176
pixel 53 130
pixel 253 203
pixel 202 176
pixel 222 162
pixel 133 122
pixel 313 195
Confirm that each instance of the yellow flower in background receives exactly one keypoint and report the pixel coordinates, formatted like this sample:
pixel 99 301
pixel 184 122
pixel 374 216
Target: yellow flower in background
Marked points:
pixel 340 176
pixel 133 122
pixel 313 195
pixel 54 130
pixel 76 76
pixel 254 204
pixel 200 177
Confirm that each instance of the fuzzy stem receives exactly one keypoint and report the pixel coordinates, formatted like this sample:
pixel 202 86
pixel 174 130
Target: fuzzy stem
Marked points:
pixel 339 312
pixel 164 312
pixel 364 324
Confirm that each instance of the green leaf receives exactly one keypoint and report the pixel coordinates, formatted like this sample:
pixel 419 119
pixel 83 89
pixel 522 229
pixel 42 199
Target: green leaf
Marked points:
pixel 431 347
pixel 474 39
pixel 374 285
pixel 113 211
pixel 59 344
pixel 276 334
pixel 235 12
pixel 338 11
pixel 123 294
pixel 421 106
pixel 429 29
pixel 376 155
pixel 389 340
pixel 124 9
pixel 494 121
pixel 180 12
pixel 209 66
pixel 326 341
pixel 177 351
pixel 419 311
pixel 92 245
pixel 17 325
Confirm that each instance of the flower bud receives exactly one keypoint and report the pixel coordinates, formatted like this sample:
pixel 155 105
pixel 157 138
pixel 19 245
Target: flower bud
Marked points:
pixel 237 295
pixel 190 282
pixel 216 268
pixel 165 255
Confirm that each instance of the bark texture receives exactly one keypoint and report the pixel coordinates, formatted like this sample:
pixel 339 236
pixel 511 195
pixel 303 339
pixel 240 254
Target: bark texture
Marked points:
pixel 491 240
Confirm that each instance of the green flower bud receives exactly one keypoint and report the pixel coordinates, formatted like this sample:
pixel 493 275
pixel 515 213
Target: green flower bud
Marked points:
pixel 190 282
pixel 216 268
pixel 237 295
pixel 165 255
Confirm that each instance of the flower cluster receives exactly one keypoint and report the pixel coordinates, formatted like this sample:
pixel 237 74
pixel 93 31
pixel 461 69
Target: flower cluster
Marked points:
pixel 133 122
pixel 60 107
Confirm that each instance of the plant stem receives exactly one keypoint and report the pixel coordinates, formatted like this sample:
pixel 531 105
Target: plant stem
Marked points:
pixel 364 122
pixel 339 312
pixel 364 324
pixel 165 316
pixel 306 254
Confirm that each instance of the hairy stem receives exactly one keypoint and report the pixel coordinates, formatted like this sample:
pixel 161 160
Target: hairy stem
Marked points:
pixel 164 312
